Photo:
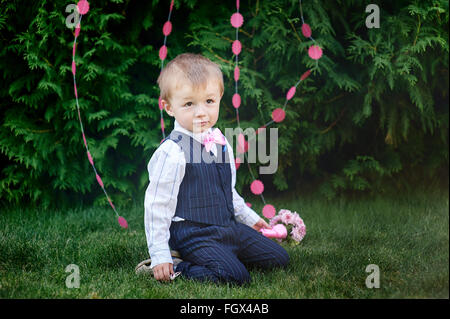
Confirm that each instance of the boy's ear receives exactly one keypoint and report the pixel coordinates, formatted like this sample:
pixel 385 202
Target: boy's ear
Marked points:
pixel 167 107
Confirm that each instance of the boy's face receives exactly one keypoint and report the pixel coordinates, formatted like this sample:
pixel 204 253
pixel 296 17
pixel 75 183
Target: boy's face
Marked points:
pixel 195 109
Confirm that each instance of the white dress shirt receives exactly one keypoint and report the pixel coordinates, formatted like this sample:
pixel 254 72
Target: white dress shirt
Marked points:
pixel 166 170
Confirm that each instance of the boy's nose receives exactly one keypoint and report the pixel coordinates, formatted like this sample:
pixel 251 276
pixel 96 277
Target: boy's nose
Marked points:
pixel 200 110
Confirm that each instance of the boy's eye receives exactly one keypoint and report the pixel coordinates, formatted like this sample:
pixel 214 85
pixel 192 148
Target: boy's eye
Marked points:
pixel 188 104
pixel 212 101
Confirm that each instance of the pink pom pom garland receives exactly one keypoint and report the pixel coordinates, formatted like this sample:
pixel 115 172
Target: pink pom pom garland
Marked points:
pixel 166 30
pixel 83 8
pixel 278 115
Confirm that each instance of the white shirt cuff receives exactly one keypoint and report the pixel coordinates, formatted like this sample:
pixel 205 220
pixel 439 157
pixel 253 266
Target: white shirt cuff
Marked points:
pixel 160 255
pixel 250 217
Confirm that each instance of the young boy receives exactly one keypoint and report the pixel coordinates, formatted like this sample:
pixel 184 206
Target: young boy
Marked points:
pixel 191 205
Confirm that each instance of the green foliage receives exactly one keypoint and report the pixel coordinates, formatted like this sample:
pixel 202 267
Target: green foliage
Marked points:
pixel 376 104
pixel 374 109
pixel 40 132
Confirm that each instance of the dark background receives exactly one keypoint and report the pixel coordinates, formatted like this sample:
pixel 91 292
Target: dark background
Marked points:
pixel 372 118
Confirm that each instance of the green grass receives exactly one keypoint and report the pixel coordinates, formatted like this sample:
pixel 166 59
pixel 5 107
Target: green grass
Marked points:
pixel 406 236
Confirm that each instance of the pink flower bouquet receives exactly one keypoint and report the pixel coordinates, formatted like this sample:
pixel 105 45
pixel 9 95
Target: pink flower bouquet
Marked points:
pixel 294 224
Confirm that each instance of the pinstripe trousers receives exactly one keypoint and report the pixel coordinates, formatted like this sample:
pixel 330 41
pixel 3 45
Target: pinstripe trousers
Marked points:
pixel 222 253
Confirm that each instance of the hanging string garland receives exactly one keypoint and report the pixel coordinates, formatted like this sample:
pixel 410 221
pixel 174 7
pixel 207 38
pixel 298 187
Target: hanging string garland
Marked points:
pixel 278 115
pixel 167 29
pixel 83 8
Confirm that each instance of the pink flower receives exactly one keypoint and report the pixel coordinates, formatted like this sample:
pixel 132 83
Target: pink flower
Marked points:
pixel 274 220
pixel 298 233
pixel 287 217
pixel 283 211
pixel 297 219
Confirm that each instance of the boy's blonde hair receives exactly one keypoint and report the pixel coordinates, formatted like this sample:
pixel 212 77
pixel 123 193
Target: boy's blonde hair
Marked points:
pixel 194 68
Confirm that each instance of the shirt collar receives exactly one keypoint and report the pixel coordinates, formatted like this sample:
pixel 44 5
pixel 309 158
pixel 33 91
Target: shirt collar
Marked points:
pixel 196 136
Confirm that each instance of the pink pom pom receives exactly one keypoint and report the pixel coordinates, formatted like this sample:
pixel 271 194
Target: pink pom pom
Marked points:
pixel 77 30
pixel 163 52
pixel 257 187
pixel 237 162
pixel 237 73
pixel 99 180
pixel 305 75
pixel 315 52
pixel 237 20
pixel 83 6
pixel 248 204
pixel 236 47
pixel 167 28
pixel 160 103
pixel 269 211
pixel 290 93
pixel 236 100
pixel 84 139
pixel 242 146
pixel 75 89
pixel 278 115
pixel 122 222
pixel 90 158
pixel 73 67
pixel 241 140
pixel 306 30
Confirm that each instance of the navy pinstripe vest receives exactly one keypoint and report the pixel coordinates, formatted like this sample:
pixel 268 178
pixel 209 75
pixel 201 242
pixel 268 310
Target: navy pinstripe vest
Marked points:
pixel 205 194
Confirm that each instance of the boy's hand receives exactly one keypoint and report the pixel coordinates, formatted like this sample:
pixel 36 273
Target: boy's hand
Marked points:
pixel 163 271
pixel 261 223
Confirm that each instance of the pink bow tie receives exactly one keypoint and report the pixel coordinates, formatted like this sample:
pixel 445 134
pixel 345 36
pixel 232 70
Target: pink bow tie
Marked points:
pixel 210 138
